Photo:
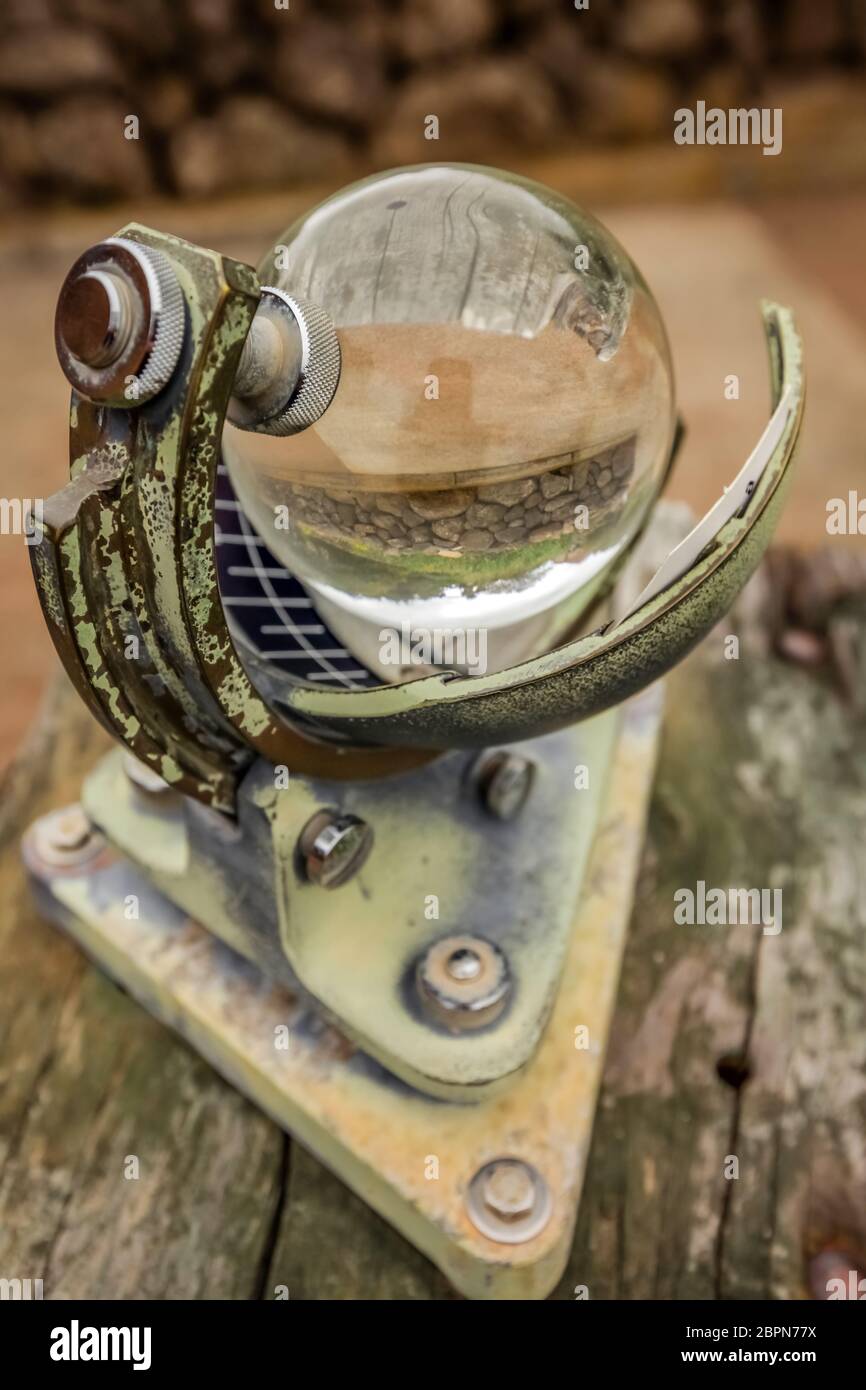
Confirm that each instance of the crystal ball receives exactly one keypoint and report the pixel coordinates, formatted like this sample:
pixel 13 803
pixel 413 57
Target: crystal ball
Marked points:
pixel 502 423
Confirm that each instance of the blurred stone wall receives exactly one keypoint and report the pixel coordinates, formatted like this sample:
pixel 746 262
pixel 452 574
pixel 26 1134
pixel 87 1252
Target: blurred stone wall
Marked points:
pixel 250 94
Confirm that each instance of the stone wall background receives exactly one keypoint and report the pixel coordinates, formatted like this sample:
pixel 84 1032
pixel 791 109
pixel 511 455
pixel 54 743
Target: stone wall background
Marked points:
pixel 243 94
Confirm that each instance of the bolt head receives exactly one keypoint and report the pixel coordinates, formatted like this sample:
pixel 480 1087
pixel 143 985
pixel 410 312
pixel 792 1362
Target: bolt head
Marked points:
pixel 463 982
pixel 509 1201
pixel 508 1188
pixel 333 846
pixel 505 781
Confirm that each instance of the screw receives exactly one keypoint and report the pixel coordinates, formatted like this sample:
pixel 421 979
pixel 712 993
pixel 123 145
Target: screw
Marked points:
pixel 463 982
pixel 333 846
pixel 504 783
pixel 508 1201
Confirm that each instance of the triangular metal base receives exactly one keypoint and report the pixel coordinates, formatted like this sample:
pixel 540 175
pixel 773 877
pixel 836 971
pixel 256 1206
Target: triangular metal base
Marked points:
pixel 409 1156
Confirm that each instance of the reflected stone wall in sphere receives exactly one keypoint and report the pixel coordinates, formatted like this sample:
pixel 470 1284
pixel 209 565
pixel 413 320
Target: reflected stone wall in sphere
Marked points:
pixel 505 409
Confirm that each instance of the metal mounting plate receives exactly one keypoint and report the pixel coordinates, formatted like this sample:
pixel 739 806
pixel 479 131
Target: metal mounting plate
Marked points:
pixel 376 1133
pixel 441 866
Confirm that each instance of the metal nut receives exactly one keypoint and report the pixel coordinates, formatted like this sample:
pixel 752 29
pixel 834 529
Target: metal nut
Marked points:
pixel 504 783
pixel 509 1201
pixel 463 982
pixel 333 846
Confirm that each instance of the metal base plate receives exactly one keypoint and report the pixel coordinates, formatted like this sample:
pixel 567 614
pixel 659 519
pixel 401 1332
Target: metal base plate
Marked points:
pixel 511 886
pixel 409 1156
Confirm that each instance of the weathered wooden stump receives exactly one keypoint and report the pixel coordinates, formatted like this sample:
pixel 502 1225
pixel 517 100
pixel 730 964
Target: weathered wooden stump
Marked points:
pixel 728 1042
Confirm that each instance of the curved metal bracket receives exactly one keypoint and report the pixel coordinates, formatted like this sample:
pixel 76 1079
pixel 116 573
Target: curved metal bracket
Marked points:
pixel 128 581
pixel 596 671
pixel 126 569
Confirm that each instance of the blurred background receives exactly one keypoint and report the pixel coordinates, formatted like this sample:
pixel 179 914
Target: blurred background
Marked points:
pixel 222 120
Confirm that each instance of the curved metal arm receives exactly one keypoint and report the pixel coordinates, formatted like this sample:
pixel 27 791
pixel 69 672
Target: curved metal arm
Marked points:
pixel 126 570
pixel 697 584
pixel 127 578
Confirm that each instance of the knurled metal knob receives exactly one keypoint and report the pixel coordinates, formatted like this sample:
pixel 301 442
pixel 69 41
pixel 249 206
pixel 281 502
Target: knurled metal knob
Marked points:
pixel 289 368
pixel 120 323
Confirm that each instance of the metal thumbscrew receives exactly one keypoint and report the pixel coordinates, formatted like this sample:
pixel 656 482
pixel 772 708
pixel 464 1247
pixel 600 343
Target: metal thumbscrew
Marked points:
pixel 289 367
pixel 333 846
pixel 120 323
pixel 509 1201
pixel 504 783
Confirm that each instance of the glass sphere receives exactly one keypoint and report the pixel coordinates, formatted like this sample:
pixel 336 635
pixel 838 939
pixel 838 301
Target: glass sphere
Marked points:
pixel 503 419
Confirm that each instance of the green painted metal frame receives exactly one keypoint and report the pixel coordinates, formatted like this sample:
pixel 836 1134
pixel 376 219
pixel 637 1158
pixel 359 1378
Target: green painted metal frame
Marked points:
pixel 354 951
pixel 127 564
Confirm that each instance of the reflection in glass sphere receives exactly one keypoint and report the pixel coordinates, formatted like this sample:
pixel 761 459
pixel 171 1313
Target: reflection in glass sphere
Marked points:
pixel 502 423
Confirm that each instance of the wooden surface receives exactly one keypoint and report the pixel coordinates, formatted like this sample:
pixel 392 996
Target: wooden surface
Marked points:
pixel 726 1041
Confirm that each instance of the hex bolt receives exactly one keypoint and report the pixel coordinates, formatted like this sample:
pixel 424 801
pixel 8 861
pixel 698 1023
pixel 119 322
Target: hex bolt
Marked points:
pixel 509 1201
pixel 333 846
pixel 508 1189
pixel 463 982
pixel 504 783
